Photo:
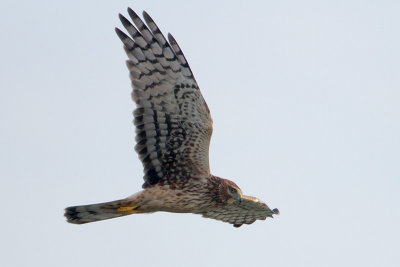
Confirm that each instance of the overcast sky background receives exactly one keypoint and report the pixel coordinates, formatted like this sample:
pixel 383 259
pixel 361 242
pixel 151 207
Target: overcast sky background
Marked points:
pixel 305 101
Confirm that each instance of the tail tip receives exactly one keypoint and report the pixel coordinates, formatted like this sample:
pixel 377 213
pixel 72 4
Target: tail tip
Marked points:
pixel 72 215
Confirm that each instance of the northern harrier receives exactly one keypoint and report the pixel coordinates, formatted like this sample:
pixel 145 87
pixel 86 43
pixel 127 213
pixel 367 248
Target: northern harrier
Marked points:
pixel 173 131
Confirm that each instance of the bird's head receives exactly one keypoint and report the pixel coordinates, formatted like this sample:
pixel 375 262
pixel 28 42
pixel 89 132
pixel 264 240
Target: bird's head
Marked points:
pixel 233 191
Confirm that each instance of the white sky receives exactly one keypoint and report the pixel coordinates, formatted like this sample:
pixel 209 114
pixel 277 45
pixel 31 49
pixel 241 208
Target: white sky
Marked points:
pixel 305 101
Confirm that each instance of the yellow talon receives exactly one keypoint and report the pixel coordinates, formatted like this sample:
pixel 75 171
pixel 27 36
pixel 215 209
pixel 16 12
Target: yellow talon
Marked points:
pixel 128 210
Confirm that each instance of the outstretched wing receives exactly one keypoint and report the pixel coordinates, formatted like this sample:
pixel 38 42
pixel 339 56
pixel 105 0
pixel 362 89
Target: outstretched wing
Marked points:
pixel 247 212
pixel 173 122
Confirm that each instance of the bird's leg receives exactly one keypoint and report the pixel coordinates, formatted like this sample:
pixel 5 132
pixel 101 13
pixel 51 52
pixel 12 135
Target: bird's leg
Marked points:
pixel 128 210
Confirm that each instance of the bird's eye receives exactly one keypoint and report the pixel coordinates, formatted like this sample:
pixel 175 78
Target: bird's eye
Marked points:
pixel 232 190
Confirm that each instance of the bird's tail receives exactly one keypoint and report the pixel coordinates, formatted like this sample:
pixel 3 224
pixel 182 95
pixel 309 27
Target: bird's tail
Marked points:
pixel 99 212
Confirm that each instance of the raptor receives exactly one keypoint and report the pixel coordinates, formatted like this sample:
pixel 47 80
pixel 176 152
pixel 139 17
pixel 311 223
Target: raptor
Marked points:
pixel 173 132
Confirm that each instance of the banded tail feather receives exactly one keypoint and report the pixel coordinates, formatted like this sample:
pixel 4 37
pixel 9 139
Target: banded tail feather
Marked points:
pixel 98 212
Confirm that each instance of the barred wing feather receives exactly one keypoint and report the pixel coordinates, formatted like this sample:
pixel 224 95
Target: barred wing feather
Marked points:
pixel 247 212
pixel 173 122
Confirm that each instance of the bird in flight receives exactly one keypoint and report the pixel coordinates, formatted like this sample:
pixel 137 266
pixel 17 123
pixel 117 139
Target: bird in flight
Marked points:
pixel 173 132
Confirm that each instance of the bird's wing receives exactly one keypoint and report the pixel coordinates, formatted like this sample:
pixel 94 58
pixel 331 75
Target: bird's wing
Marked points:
pixel 247 212
pixel 173 122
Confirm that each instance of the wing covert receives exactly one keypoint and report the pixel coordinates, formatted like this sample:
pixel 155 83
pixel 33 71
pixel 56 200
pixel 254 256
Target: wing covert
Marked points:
pixel 173 122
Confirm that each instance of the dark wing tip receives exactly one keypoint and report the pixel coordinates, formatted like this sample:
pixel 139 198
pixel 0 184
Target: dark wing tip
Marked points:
pixel 120 34
pixel 147 17
pixel 276 211
pixel 123 20
pixel 171 39
pixel 237 225
pixel 132 13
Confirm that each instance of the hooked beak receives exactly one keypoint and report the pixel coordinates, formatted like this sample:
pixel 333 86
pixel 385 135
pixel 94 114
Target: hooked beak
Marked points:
pixel 240 199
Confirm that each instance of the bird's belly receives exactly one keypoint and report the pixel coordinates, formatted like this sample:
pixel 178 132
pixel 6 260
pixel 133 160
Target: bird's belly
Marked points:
pixel 178 201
